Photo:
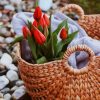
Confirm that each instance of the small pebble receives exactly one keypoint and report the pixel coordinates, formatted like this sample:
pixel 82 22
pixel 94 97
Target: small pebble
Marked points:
pixel 19 83
pixel 20 92
pixel 3 82
pixel 6 59
pixel 5 90
pixel 7 96
pixel 14 88
pixel 2 39
pixel 1 95
pixel 9 7
pixel 12 75
pixel 2 67
pixel 12 67
pixel 9 40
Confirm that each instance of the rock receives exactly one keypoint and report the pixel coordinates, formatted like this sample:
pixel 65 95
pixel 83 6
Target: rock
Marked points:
pixel 20 92
pixel 4 2
pixel 1 95
pixel 12 75
pixel 47 3
pixel 16 1
pixel 3 81
pixel 9 7
pixel 19 83
pixel 5 90
pixel 9 40
pixel 2 67
pixel 1 53
pixel 0 14
pixel 7 96
pixel 3 30
pixel 2 39
pixel 14 88
pixel 12 67
pixel 6 59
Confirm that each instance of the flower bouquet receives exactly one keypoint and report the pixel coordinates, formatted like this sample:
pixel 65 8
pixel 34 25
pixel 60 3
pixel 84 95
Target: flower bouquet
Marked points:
pixel 43 74
pixel 44 44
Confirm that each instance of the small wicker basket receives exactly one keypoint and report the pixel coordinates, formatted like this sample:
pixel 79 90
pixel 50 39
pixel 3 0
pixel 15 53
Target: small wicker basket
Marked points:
pixel 56 80
pixel 91 23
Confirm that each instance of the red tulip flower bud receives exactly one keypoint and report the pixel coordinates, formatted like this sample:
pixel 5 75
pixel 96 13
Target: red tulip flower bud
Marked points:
pixel 26 31
pixel 35 23
pixel 46 20
pixel 37 13
pixel 42 22
pixel 39 37
pixel 63 34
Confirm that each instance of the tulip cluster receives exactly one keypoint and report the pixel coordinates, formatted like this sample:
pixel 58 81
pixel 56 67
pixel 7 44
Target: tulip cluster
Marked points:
pixel 43 43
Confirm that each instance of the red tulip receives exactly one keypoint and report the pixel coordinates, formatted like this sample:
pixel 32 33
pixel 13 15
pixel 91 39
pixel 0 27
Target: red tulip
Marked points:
pixel 39 37
pixel 37 13
pixel 63 34
pixel 46 20
pixel 35 23
pixel 26 31
pixel 42 22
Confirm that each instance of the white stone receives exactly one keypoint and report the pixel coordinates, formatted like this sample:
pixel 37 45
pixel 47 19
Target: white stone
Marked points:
pixel 3 30
pixel 1 95
pixel 12 75
pixel 9 40
pixel 3 81
pixel 45 5
pixel 6 59
pixel 1 53
pixel 16 1
pixel 19 83
pixel 14 88
pixel 0 14
pixel 7 96
pixel 9 7
pixel 12 67
pixel 4 2
pixel 19 93
pixel 2 39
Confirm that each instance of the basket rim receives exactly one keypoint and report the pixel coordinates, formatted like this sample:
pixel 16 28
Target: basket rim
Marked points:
pixel 20 58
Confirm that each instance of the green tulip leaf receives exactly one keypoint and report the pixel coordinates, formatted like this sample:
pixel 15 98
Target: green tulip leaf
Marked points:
pixel 32 46
pixel 42 60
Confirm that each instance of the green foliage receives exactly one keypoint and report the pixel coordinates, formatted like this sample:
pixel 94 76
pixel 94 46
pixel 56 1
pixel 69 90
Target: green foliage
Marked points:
pixel 89 6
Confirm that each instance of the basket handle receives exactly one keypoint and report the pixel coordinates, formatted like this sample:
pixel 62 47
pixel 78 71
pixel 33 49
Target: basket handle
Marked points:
pixel 78 48
pixel 74 8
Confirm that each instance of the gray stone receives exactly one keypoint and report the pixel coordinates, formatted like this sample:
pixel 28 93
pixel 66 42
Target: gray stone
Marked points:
pixel 7 96
pixel 6 59
pixel 5 90
pixel 20 92
pixel 1 53
pixel 3 81
pixel 12 67
pixel 3 30
pixel 1 95
pixel 2 39
pixel 14 88
pixel 19 83
pixel 9 7
pixel 12 75
pixel 9 40
pixel 2 67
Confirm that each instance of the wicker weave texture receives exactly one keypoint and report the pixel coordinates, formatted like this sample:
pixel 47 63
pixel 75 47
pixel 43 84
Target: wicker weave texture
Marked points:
pixel 57 80
pixel 91 23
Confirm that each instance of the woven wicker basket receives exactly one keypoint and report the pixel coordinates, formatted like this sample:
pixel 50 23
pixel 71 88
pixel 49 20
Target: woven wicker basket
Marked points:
pixel 57 80
pixel 91 23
